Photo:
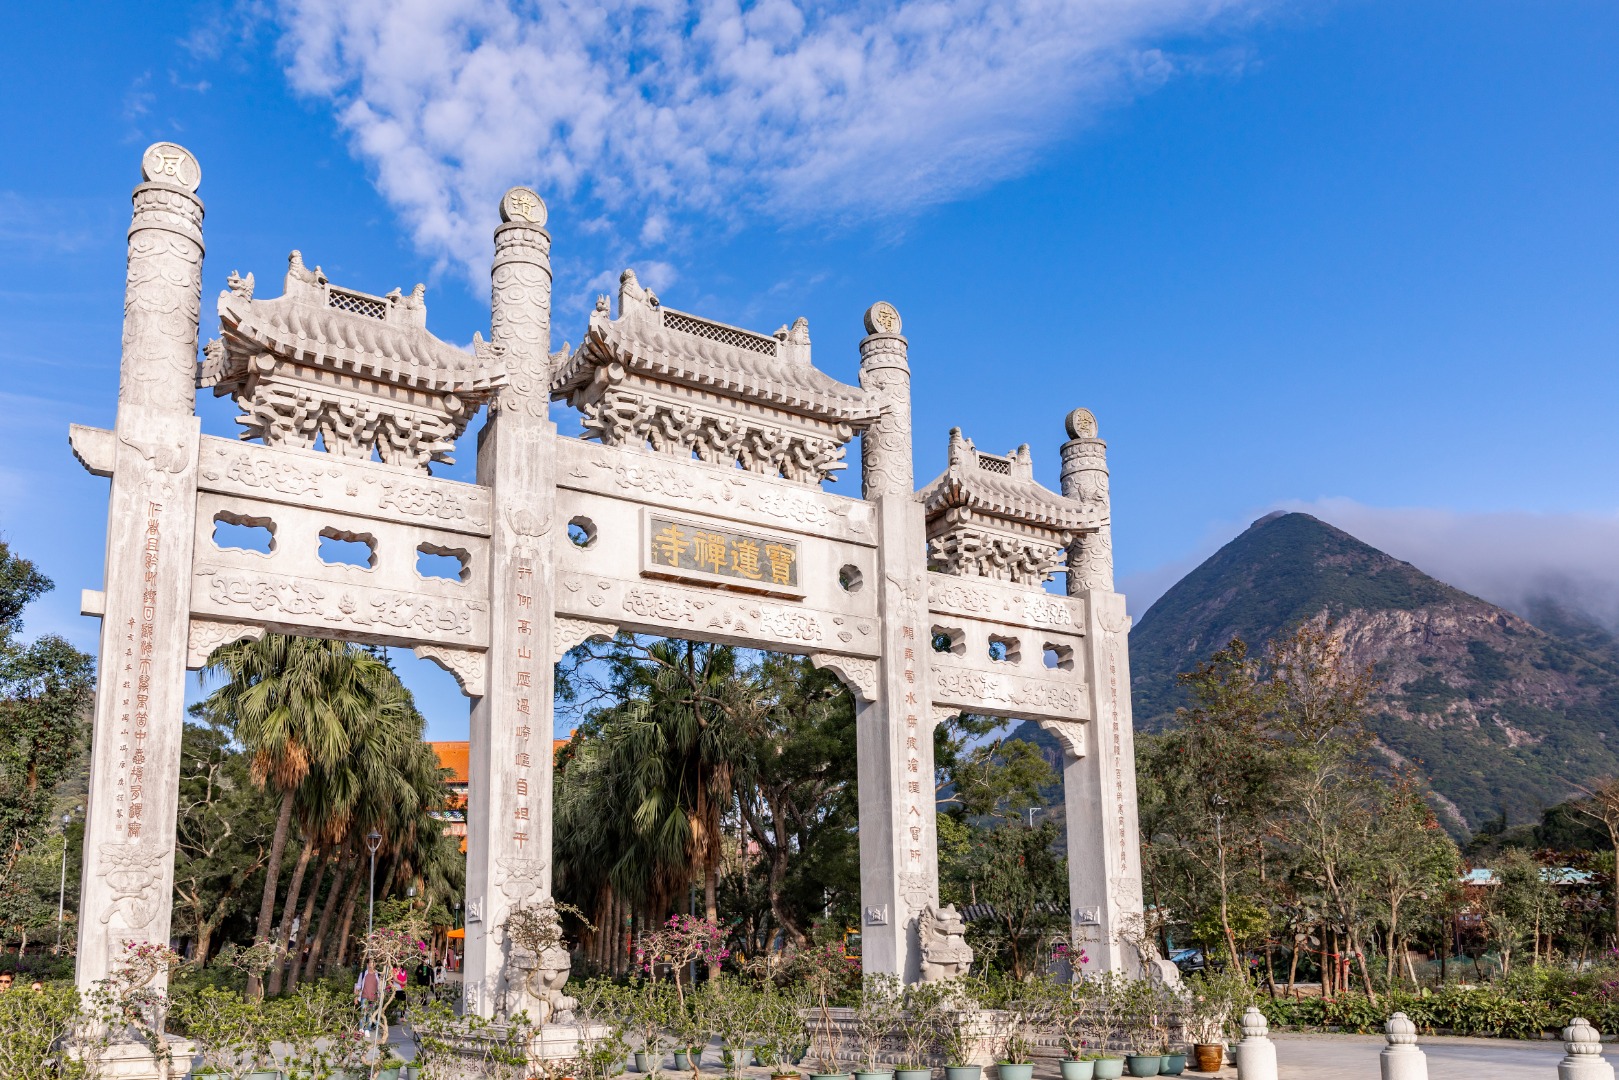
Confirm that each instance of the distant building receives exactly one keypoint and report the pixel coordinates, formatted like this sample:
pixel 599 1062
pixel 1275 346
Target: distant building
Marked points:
pixel 455 756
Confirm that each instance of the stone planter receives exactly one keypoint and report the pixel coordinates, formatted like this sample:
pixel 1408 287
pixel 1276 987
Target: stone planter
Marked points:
pixel 1210 1056
pixel 1108 1068
pixel 683 1060
pixel 1015 1070
pixel 1144 1064
pixel 1172 1065
pixel 743 1056
pixel 642 1061
pixel 1075 1069
pixel 963 1072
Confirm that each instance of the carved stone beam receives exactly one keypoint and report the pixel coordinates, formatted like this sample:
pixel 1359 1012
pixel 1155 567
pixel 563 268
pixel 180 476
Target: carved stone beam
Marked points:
pixel 567 633
pixel 1070 733
pixel 206 635
pixel 860 676
pixel 467 665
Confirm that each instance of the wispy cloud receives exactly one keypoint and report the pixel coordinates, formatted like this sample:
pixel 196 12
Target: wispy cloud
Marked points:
pixel 809 111
pixel 1508 557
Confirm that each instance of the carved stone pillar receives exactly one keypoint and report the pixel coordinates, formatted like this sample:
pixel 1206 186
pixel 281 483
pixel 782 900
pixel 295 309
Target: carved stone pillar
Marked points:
pixel 898 839
pixel 140 695
pixel 1084 479
pixel 509 789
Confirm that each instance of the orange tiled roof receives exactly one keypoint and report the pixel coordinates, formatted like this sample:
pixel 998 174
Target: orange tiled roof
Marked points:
pixel 453 756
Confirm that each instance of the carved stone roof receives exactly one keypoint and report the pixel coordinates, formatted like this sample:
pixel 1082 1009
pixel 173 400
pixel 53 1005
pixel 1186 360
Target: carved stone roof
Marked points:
pixel 1004 488
pixel 663 345
pixel 379 339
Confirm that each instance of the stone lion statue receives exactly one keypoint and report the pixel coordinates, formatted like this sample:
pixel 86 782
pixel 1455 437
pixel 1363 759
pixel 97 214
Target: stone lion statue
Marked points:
pixel 941 932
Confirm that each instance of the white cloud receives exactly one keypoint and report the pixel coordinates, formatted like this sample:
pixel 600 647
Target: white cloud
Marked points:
pixel 810 111
pixel 1508 557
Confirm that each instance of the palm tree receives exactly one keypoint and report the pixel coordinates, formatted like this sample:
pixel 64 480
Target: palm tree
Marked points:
pixel 292 702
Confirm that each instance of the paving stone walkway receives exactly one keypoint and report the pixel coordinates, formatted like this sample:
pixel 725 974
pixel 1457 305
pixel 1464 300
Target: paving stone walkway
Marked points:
pixel 1354 1057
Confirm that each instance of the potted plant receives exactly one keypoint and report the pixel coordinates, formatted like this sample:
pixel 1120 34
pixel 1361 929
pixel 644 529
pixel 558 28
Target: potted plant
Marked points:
pixel 825 970
pixel 958 1033
pixel 734 1014
pixel 1212 1003
pixel 691 1024
pixel 782 1039
pixel 877 1017
pixel 1144 1021
pixel 1019 1008
pixel 1071 1023
pixel 918 1028
pixel 649 1018
pixel 1107 1010
pixel 1173 1007
pixel 599 1009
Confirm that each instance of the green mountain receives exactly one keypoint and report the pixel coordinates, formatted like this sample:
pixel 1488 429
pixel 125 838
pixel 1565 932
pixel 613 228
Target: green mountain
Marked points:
pixel 1501 714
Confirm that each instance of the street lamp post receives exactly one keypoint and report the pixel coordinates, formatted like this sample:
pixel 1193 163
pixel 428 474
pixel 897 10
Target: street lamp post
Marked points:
pixel 373 840
pixel 61 890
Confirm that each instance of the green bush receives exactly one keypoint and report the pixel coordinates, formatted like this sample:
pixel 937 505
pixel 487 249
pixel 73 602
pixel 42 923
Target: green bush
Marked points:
pixel 1503 1010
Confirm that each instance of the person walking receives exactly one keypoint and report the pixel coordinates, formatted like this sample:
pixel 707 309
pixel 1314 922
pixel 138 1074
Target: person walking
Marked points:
pixel 366 989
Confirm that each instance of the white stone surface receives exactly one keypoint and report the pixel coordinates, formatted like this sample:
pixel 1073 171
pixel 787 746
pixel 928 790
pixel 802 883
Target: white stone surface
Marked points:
pixel 709 436
pixel 1401 1059
pixel 128 873
pixel 1583 1054
pixel 1256 1054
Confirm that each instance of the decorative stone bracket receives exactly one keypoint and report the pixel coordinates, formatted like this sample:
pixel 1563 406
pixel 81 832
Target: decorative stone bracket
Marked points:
pixel 860 676
pixel 467 665
pixel 206 635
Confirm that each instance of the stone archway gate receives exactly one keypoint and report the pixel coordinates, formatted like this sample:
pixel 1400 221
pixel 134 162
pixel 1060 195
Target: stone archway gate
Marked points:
pixel 694 507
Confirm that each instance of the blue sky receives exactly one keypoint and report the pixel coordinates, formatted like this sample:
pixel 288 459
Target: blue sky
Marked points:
pixel 1355 258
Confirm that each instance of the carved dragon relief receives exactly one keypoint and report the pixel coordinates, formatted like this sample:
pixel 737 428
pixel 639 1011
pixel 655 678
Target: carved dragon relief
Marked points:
pixel 467 665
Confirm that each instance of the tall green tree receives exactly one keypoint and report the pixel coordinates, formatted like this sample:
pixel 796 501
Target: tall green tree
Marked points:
pixel 293 702
pixel 46 690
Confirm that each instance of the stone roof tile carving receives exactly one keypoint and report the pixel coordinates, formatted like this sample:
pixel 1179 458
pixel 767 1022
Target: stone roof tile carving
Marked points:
pixel 660 379
pixel 1005 488
pixel 314 323
pixel 986 517
pixel 356 372
pixel 663 344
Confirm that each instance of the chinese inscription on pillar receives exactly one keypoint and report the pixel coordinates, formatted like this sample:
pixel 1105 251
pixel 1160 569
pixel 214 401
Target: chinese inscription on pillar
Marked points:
pixel 135 687
pixel 524 676
pixel 913 751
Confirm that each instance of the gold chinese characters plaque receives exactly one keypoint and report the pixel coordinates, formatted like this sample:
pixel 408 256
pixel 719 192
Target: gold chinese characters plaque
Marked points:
pixel 721 555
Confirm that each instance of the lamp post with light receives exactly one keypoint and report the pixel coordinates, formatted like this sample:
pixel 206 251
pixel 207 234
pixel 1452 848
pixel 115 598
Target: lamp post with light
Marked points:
pixel 61 890
pixel 373 840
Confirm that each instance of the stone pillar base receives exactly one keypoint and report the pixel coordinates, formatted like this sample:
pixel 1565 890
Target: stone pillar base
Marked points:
pixel 472 1049
pixel 133 1061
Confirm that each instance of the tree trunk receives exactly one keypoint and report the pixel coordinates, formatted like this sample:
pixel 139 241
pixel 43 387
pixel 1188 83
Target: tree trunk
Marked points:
pixel 349 905
pixel 1365 972
pixel 289 907
pixel 272 875
pixel 306 920
pixel 1293 966
pixel 339 872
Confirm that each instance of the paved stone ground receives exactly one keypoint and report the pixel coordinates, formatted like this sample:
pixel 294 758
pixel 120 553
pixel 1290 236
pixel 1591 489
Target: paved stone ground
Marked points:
pixel 1354 1057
